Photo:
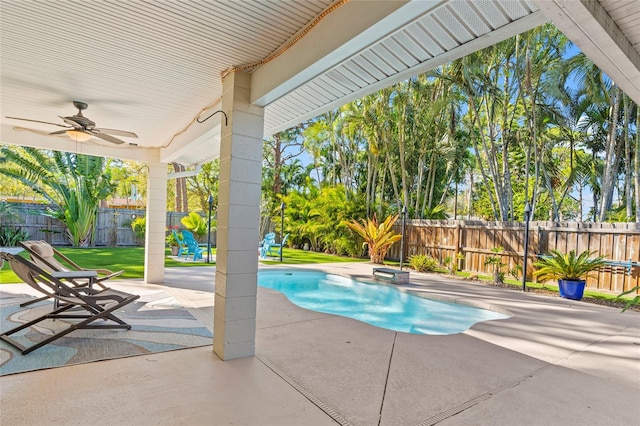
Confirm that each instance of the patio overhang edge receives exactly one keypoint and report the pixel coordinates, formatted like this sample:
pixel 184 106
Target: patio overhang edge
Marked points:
pixel 16 135
pixel 521 25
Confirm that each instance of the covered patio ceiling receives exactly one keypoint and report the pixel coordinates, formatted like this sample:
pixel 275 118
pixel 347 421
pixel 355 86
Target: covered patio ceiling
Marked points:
pixel 154 67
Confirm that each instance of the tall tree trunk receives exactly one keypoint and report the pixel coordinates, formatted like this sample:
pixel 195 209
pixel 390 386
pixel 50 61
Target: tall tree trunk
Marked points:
pixel 491 152
pixel 470 201
pixel 580 201
pixel 627 158
pixel 383 181
pixel 554 207
pixel 394 179
pixel 421 165
pixel 277 164
pixel 181 201
pixel 506 126
pixel 485 179
pixel 536 177
pixel 370 177
pixel 402 124
pixel 611 156
pixel 432 182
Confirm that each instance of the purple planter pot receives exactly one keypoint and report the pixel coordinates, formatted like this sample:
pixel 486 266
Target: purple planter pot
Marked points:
pixel 571 289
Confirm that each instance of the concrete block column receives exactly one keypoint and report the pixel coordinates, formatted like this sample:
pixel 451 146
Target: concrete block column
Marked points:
pixel 234 324
pixel 156 219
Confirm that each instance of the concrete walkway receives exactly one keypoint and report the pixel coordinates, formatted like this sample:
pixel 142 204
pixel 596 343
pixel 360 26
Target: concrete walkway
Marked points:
pixel 554 362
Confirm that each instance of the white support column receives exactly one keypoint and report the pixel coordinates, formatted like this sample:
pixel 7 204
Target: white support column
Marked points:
pixel 156 219
pixel 238 217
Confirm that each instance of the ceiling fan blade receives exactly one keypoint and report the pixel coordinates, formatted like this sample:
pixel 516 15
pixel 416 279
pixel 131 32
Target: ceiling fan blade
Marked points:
pixel 70 122
pixel 116 132
pixel 106 137
pixel 59 132
pixel 37 121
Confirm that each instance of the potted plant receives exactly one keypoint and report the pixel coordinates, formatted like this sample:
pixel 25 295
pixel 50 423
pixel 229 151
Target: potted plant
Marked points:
pixel 173 243
pixel 570 270
pixel 495 261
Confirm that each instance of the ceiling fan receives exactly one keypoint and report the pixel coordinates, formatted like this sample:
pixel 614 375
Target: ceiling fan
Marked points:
pixel 81 129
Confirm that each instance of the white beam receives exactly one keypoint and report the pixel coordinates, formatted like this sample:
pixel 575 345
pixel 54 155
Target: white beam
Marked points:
pixel 199 142
pixel 524 24
pixel 16 135
pixel 590 27
pixel 354 27
pixel 186 173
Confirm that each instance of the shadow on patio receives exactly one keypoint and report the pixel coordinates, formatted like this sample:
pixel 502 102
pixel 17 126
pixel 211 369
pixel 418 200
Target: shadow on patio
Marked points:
pixel 553 362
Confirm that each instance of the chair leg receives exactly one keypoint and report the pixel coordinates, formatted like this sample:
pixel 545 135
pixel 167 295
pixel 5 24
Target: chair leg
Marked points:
pixel 58 313
pixel 31 302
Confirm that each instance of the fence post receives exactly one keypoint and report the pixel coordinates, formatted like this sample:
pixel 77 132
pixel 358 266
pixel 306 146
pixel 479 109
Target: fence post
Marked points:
pixel 115 223
pixel 48 235
pixel 456 243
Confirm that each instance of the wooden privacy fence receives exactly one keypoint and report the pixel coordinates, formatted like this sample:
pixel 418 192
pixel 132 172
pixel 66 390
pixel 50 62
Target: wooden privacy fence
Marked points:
pixel 619 243
pixel 113 227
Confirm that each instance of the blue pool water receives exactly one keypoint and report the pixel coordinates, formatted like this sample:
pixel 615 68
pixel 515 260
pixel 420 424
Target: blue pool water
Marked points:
pixel 380 305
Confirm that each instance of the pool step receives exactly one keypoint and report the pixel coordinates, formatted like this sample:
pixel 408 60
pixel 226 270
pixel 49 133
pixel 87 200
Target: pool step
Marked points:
pixel 394 276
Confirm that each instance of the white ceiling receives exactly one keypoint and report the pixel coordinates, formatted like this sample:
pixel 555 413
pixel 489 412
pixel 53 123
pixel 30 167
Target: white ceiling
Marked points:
pixel 153 67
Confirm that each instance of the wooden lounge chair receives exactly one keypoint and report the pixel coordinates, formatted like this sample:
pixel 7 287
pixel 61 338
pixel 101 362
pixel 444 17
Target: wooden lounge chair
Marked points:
pixel 97 304
pixel 48 258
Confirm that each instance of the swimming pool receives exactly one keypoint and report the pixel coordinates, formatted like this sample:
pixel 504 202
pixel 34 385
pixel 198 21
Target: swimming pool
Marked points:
pixel 379 305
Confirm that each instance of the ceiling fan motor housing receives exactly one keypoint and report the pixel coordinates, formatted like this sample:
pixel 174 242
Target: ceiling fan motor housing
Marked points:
pixel 82 121
pixel 80 105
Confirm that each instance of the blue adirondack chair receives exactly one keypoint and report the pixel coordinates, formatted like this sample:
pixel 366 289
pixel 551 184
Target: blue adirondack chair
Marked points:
pixel 264 245
pixel 193 247
pixel 182 246
pixel 276 249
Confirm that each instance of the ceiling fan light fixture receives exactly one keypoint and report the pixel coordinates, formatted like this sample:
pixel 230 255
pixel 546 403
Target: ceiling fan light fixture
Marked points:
pixel 78 135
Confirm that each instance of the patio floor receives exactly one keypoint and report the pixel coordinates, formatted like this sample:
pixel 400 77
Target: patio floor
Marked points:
pixel 554 361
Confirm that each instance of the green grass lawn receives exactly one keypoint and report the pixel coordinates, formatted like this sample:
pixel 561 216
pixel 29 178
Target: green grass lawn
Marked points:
pixel 300 257
pixel 131 260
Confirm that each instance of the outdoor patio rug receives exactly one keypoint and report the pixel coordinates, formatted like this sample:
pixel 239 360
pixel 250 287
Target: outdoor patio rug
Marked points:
pixel 158 323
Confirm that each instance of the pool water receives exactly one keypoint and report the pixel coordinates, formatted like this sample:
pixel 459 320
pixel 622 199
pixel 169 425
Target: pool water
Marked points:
pixel 379 305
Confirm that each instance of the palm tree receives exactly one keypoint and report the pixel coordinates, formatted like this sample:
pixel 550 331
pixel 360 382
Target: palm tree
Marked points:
pixel 73 184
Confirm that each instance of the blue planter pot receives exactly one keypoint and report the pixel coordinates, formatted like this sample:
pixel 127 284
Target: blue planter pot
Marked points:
pixel 571 289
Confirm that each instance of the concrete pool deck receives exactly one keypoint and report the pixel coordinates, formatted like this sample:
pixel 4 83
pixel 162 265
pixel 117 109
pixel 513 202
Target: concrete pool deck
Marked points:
pixel 554 361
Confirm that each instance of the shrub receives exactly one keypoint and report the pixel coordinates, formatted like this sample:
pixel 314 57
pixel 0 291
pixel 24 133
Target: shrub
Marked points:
pixel 139 227
pixel 453 264
pixel 171 240
pixel 196 224
pixel 378 237
pixel 9 236
pixel 496 262
pixel 423 263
